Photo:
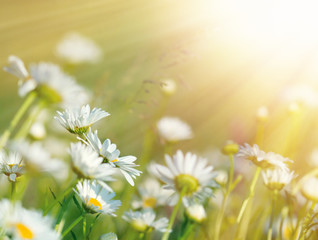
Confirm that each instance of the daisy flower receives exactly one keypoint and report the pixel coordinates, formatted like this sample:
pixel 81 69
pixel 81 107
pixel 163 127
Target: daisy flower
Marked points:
pixel 11 165
pixel 79 120
pixel 172 129
pixel 196 212
pixel 16 67
pixel 110 154
pixel 96 199
pixel 260 158
pixel 56 86
pixel 87 164
pixel 108 236
pixel 144 220
pixel 309 189
pixel 189 175
pixel 76 49
pixel 152 194
pixel 277 178
pixel 21 224
pixel 49 81
pixel 37 159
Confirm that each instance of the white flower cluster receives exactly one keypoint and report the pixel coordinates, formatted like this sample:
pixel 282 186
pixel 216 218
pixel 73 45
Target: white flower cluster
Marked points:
pixel 275 169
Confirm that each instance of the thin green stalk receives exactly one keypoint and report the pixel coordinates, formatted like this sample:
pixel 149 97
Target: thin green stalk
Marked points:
pixel 308 218
pixel 173 215
pixel 188 231
pixel 141 236
pixel 250 196
pixel 72 225
pixel 13 189
pixel 225 199
pixel 84 226
pixel 25 128
pixel 17 117
pixel 270 231
pixel 66 192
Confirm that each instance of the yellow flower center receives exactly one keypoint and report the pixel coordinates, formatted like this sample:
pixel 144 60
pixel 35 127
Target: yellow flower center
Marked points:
pixel 149 202
pixel 115 160
pixel 24 231
pixel 139 225
pixel 187 183
pixel 95 202
pixel 49 94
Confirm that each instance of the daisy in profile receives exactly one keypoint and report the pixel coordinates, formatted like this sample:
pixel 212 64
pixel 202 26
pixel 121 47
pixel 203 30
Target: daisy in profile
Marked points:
pixel 21 224
pixel 78 120
pixel 144 220
pixel 49 81
pixel 109 152
pixel 96 199
pixel 16 67
pixel 11 165
pixel 262 159
pixel 38 160
pixel 277 178
pixel 55 86
pixel 172 129
pixel 76 49
pixel 151 194
pixel 87 164
pixel 187 175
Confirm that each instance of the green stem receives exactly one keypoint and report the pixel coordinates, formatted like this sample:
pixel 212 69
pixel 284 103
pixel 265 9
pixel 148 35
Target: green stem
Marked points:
pixel 173 215
pixel 13 187
pixel 250 196
pixel 270 231
pixel 66 192
pixel 84 227
pixel 72 226
pixel 225 199
pixel 17 117
pixel 188 232
pixel 27 124
pixel 141 236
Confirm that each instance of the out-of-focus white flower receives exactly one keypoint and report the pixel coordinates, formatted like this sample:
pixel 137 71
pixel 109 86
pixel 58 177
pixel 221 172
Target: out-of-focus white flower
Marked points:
pixel 16 67
pixel 76 49
pixel 313 159
pixel 144 220
pixel 11 165
pixel 87 164
pixel 277 178
pixel 188 174
pixel 37 131
pixel 309 189
pixel 301 93
pixel 168 86
pixel 222 177
pixel 24 224
pixel 172 129
pixel 108 236
pixel 262 113
pixel 56 86
pixel 96 199
pixel 260 158
pixel 79 119
pixel 110 154
pixel 196 212
pixel 36 158
pixel 152 194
